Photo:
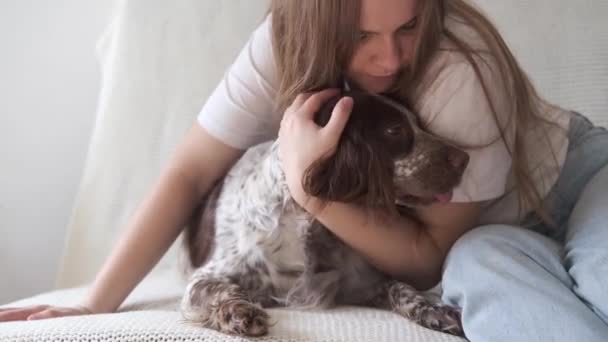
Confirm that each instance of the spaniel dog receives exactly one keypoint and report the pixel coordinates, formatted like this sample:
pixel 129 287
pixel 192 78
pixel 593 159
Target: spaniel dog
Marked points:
pixel 251 246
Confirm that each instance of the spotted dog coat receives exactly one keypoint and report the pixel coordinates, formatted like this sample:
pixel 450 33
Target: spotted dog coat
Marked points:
pixel 252 246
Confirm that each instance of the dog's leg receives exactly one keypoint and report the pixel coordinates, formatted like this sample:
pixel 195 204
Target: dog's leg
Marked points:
pixel 413 305
pixel 219 304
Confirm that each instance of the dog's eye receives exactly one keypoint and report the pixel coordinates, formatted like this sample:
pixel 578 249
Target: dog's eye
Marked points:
pixel 394 130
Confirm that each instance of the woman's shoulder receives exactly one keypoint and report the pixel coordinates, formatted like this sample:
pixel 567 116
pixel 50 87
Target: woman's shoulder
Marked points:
pixel 452 101
pixel 258 54
pixel 240 111
pixel 449 58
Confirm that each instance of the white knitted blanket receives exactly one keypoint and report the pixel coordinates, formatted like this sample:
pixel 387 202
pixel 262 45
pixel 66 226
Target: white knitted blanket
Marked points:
pixel 150 315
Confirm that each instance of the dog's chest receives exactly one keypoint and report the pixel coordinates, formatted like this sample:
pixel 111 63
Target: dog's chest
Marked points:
pixel 278 255
pixel 285 250
pixel 259 227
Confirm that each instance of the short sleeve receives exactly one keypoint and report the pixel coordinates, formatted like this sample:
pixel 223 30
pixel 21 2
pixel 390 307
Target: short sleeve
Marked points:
pixel 455 107
pixel 239 111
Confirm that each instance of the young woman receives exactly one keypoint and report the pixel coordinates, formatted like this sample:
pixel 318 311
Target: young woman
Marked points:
pixel 521 246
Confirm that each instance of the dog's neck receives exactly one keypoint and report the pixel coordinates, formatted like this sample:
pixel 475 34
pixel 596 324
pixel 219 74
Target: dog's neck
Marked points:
pixel 274 177
pixel 270 193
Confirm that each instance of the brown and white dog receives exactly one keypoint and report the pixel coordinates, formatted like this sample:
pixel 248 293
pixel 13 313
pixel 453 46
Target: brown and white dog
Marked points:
pixel 251 246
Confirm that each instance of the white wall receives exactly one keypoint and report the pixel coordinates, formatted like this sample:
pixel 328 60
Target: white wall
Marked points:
pixel 49 82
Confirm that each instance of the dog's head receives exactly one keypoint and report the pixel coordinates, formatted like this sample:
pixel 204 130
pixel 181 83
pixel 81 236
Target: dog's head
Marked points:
pixel 383 158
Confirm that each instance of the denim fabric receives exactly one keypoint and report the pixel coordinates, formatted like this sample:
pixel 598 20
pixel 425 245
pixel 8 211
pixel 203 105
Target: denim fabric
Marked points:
pixel 542 283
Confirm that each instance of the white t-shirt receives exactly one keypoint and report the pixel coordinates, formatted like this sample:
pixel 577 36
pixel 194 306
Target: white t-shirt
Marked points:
pixel 451 104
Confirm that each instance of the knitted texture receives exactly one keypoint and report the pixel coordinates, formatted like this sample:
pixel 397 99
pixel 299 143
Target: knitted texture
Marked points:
pixel 150 315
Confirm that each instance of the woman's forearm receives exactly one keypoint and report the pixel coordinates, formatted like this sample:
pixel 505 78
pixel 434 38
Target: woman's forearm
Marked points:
pixel 154 227
pixel 198 162
pixel 396 245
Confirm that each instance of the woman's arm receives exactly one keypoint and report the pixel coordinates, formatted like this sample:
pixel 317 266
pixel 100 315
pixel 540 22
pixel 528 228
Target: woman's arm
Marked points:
pixel 409 249
pixel 238 114
pixel 197 163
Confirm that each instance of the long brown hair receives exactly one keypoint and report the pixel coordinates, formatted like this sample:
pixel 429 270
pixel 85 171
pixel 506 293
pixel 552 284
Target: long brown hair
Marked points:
pixel 313 41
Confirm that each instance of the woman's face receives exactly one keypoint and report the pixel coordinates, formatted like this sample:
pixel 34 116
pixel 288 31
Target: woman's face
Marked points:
pixel 385 45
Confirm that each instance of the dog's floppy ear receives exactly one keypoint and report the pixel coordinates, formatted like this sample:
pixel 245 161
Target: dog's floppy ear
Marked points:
pixel 336 178
pixel 355 173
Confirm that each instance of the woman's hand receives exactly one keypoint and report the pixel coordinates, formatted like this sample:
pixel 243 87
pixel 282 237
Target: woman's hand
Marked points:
pixel 41 312
pixel 302 141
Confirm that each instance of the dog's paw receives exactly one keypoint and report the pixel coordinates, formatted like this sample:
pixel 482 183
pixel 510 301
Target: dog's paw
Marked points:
pixel 243 318
pixel 444 318
pixel 427 312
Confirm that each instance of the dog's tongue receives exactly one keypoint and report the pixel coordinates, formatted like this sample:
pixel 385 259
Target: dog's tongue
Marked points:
pixel 443 198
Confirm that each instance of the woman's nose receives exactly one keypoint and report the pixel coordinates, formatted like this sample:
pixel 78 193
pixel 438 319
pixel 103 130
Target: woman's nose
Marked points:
pixel 388 57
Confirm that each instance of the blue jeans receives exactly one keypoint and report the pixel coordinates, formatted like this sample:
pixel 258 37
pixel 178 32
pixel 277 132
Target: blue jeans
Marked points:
pixel 540 283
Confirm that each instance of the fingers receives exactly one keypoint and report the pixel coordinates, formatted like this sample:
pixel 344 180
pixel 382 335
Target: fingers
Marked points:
pixel 300 99
pixel 316 100
pixel 19 314
pixel 308 104
pixel 297 103
pixel 49 313
pixel 339 117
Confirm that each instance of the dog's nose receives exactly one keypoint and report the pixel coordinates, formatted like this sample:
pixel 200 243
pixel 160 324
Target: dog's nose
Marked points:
pixel 458 159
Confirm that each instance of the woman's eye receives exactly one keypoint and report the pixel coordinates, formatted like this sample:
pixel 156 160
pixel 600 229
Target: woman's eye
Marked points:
pixel 409 26
pixel 364 36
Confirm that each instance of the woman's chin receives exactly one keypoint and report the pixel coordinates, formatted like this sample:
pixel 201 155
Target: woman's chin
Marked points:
pixel 377 89
pixel 373 85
